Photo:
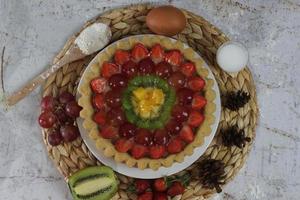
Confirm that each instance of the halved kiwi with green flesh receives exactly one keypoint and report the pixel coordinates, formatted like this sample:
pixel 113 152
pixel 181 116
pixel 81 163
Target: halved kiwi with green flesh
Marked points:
pixel 93 183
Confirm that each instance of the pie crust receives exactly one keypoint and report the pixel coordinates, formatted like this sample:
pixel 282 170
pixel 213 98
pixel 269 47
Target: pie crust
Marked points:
pixel 105 145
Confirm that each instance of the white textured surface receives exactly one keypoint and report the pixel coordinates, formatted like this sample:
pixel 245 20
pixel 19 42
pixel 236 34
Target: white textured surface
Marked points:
pixel 33 31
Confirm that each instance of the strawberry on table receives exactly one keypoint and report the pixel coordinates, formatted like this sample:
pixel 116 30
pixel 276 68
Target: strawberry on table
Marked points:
pixel 99 118
pixel 139 151
pixel 195 118
pixel 109 132
pixel 157 53
pixel 175 146
pixel 157 152
pixel 175 189
pixel 109 69
pixel 160 185
pixel 160 196
pixel 141 185
pixel 174 57
pixel 198 102
pixel 121 56
pixel 99 85
pixel 186 134
pixel 139 52
pixel 196 83
pixel 188 69
pixel 123 145
pixel 98 101
pixel 145 196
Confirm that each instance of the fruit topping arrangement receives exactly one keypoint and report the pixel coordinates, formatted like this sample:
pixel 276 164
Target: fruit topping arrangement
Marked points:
pixel 160 189
pixel 148 101
pixel 94 183
pixel 58 115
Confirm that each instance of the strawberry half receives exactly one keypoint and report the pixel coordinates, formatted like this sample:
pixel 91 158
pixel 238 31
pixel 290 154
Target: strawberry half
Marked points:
pixel 157 152
pixel 123 145
pixel 139 52
pixel 160 185
pixel 174 57
pixel 175 189
pixel 98 101
pixel 109 69
pixel 99 118
pixel 160 196
pixel 175 146
pixel 196 83
pixel 186 134
pixel 121 56
pixel 145 196
pixel 198 102
pixel 141 185
pixel 188 69
pixel 99 85
pixel 157 53
pixel 109 132
pixel 139 151
pixel 195 118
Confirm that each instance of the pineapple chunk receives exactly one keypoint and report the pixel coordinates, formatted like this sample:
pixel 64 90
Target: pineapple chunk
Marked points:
pixel 147 101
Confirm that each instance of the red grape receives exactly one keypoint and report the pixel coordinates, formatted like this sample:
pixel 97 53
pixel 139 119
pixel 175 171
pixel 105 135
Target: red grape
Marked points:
pixel 55 138
pixel 177 80
pixel 185 96
pixel 173 127
pixel 73 109
pixel 129 69
pixel 69 132
pixel 161 137
pixel 48 103
pixel 117 81
pixel 62 117
pixel 47 119
pixel 146 66
pixel 143 137
pixel 66 97
pixel 113 98
pixel 163 70
pixel 127 130
pixel 180 113
pixel 115 116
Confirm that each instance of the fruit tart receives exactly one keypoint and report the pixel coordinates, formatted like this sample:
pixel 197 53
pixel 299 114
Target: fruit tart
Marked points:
pixel 147 101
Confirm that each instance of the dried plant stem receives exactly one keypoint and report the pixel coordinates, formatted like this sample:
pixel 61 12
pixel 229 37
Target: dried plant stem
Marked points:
pixel 2 91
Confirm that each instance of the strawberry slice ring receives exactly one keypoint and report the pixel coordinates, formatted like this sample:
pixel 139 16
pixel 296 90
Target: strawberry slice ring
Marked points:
pixel 146 99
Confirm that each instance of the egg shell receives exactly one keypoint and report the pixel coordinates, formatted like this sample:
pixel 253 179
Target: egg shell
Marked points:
pixel 166 20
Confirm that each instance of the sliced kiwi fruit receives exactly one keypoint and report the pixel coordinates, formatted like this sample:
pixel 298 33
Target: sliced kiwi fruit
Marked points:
pixel 165 109
pixel 93 183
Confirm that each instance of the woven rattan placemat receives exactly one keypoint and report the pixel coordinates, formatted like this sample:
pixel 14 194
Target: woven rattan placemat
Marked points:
pixel 203 38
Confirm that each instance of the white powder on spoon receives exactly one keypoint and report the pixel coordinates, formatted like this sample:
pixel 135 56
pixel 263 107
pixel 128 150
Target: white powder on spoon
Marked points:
pixel 93 38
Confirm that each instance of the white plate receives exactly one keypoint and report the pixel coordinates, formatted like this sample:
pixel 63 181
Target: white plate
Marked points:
pixel 162 171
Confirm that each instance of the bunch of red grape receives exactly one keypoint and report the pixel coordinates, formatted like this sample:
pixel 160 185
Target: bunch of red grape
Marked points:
pixel 58 115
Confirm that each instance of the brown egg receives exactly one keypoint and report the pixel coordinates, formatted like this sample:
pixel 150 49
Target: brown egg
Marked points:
pixel 166 20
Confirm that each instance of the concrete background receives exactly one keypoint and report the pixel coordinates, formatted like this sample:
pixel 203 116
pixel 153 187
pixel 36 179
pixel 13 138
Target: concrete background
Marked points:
pixel 33 32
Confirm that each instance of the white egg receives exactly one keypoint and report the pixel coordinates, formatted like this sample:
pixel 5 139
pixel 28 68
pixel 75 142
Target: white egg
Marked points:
pixel 232 57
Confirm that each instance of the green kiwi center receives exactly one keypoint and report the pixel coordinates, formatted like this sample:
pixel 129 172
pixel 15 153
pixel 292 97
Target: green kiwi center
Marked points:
pixel 147 101
pixel 90 186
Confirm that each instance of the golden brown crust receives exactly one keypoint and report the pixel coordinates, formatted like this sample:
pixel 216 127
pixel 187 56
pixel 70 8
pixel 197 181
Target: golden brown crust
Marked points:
pixel 106 145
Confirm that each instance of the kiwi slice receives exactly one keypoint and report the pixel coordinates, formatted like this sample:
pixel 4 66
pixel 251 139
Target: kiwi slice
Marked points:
pixel 93 183
pixel 165 109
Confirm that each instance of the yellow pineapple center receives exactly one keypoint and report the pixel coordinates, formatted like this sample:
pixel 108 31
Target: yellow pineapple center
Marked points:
pixel 147 101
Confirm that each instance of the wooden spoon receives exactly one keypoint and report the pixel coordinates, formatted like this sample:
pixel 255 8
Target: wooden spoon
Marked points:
pixel 73 53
